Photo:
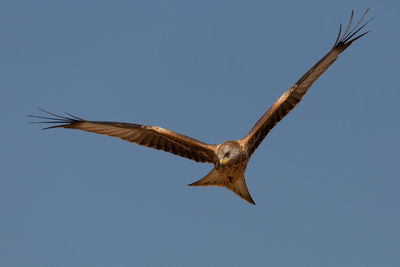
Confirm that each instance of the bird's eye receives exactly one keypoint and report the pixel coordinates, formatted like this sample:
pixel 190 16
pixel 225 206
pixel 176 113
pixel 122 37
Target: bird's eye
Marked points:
pixel 227 154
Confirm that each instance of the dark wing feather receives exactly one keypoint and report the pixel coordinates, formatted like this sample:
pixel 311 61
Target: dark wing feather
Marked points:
pixel 150 136
pixel 294 95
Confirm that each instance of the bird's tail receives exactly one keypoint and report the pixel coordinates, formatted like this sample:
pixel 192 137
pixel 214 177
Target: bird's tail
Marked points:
pixel 236 184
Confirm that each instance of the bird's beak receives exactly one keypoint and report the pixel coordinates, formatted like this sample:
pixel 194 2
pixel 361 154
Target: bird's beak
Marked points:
pixel 223 161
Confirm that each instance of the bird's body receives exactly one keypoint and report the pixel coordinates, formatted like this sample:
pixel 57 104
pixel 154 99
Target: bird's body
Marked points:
pixel 229 168
pixel 230 158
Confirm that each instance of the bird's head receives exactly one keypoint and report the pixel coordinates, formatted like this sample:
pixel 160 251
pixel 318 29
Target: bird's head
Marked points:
pixel 228 153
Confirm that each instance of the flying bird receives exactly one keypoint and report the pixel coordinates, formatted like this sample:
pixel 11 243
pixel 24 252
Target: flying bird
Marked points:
pixel 230 158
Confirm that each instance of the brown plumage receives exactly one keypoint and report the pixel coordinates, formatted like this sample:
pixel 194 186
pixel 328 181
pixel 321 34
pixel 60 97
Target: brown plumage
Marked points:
pixel 229 158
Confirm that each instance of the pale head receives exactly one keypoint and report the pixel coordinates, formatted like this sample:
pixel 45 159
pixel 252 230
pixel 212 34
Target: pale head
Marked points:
pixel 229 152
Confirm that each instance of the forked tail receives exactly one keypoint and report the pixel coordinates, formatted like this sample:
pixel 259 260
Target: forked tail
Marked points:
pixel 237 184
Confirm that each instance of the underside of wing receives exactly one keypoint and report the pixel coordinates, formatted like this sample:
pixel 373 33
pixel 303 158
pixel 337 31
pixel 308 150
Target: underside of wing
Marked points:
pixel 150 136
pixel 294 95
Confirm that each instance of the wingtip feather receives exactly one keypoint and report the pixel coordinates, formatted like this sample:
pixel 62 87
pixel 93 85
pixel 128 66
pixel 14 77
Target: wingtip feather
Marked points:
pixel 350 35
pixel 62 121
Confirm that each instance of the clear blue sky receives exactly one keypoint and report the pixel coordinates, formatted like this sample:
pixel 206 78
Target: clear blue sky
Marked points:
pixel 326 180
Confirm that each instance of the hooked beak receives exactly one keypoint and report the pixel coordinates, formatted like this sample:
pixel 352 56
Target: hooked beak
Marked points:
pixel 223 161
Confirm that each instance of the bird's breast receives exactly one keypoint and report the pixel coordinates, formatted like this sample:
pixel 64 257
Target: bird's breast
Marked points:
pixel 232 170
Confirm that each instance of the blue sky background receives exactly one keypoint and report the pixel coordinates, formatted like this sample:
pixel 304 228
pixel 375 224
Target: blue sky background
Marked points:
pixel 326 179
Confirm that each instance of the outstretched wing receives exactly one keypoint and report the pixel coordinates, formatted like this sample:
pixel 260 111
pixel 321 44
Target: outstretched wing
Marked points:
pixel 294 95
pixel 150 136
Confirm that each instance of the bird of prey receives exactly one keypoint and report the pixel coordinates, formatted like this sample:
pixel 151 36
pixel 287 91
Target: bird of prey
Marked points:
pixel 230 158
